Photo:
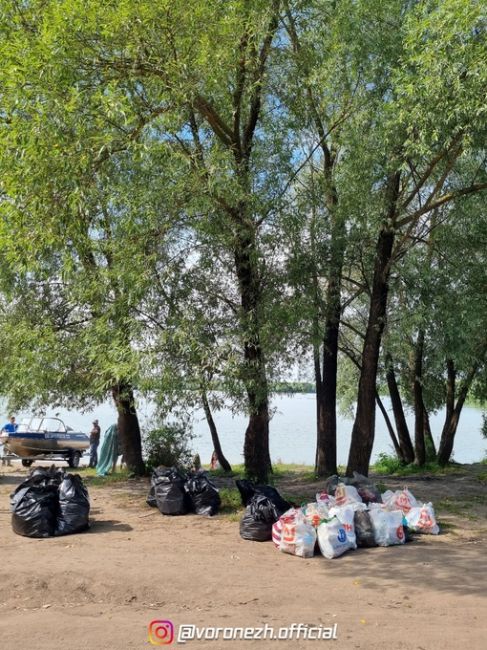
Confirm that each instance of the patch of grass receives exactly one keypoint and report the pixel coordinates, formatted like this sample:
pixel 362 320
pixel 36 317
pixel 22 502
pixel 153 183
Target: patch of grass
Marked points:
pixel 448 527
pixel 238 471
pixel 99 481
pixel 279 471
pixel 284 469
pixel 457 508
pixel 453 507
pixel 480 499
pixel 231 502
pixel 391 465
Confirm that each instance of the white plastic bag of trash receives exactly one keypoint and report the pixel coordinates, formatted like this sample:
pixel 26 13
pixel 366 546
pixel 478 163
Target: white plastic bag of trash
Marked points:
pixel 288 517
pixel 346 494
pixel 316 512
pixel 335 537
pixel 298 537
pixel 388 525
pixel 423 520
pixel 399 500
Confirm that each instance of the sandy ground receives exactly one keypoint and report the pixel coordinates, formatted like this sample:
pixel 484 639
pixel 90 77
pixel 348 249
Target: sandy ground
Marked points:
pixel 101 589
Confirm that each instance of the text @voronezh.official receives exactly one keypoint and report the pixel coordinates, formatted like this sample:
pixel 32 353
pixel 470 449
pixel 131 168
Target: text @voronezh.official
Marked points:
pixel 162 632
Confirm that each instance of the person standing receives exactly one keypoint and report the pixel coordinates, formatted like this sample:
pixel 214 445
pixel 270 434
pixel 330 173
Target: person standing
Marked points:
pixel 10 427
pixel 94 442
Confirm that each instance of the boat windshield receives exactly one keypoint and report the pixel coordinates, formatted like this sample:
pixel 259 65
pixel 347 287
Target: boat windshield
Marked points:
pixel 42 424
pixel 29 425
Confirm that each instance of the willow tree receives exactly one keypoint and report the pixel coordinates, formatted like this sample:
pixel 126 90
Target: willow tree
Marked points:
pixel 80 225
pixel 189 79
pixel 340 59
pixel 212 61
pixel 433 120
pixel 437 320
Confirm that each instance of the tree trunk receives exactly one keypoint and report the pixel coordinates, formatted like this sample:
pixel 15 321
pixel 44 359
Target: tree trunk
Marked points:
pixel 325 459
pixel 428 438
pixel 214 434
pixel 326 452
pixel 319 400
pixel 453 417
pixel 451 375
pixel 128 428
pixel 451 422
pixel 419 444
pixel 364 426
pixel 390 428
pixel 326 449
pixel 256 445
pixel 407 451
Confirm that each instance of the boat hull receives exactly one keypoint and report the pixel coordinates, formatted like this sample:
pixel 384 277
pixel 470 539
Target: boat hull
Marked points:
pixel 27 444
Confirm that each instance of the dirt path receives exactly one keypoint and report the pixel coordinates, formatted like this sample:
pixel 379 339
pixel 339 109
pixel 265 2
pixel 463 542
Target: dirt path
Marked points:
pixel 102 588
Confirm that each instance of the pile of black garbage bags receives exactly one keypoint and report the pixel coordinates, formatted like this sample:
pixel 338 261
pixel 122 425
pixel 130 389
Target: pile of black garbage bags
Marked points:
pixel 175 493
pixel 50 502
pixel 263 507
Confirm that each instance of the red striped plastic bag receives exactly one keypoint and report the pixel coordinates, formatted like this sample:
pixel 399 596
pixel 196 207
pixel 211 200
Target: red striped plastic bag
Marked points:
pixel 288 517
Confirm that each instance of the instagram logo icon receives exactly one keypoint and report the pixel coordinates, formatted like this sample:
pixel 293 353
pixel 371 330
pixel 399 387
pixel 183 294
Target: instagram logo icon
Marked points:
pixel 161 632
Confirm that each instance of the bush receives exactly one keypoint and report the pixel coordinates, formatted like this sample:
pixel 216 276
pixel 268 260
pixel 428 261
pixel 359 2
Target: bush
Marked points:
pixel 386 464
pixel 168 445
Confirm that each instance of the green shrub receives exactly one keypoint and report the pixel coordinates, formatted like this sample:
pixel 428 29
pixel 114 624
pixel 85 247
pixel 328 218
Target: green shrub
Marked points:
pixel 168 445
pixel 386 464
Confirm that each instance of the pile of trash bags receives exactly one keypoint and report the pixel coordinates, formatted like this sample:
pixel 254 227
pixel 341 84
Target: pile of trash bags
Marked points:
pixel 175 493
pixel 347 514
pixel 263 506
pixel 50 502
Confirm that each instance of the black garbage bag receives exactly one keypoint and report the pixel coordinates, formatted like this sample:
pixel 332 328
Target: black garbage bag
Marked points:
pixel 171 499
pixel 74 506
pixel 203 494
pixel 260 514
pixel 331 483
pixel 49 502
pixel 248 490
pixel 367 490
pixel 364 529
pixel 151 497
pixel 34 506
pixel 47 475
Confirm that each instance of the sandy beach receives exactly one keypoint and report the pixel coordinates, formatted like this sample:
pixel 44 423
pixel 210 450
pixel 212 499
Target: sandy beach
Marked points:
pixel 101 589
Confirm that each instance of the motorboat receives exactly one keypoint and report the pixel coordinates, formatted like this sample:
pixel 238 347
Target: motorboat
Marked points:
pixel 42 438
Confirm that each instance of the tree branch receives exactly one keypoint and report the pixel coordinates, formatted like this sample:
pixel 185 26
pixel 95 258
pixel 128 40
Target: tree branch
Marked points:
pixel 256 97
pixel 429 170
pixel 222 131
pixel 446 198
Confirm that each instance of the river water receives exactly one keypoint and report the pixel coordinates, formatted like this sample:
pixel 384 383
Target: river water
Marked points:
pixel 292 430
